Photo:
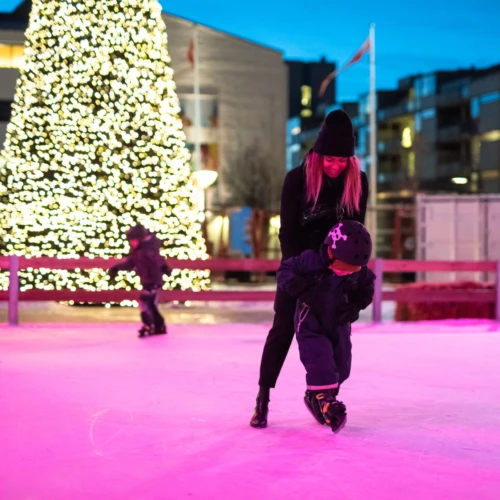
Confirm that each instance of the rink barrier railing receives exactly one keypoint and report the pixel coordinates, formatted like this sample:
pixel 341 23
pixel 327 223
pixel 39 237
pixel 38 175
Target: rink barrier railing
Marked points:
pixel 380 266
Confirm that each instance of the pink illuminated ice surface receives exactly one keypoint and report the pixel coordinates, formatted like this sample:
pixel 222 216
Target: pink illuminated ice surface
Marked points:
pixel 91 412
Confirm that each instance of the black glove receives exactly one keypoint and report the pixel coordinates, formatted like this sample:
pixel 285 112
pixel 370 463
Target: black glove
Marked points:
pixel 113 273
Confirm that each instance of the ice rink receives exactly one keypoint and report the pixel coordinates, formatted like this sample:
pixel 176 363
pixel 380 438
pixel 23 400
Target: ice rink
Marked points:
pixel 91 412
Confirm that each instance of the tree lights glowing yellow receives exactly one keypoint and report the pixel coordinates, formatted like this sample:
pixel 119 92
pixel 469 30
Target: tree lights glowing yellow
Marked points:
pixel 95 143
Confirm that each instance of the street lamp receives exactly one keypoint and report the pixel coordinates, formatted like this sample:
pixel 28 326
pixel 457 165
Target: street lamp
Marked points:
pixel 203 179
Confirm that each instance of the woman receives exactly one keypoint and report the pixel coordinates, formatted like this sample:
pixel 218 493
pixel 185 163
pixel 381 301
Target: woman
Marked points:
pixel 327 187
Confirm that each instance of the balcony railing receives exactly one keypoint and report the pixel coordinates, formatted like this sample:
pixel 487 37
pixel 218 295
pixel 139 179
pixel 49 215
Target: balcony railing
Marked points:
pixel 393 111
pixel 454 96
pixel 451 133
pixel 390 145
pixel 451 169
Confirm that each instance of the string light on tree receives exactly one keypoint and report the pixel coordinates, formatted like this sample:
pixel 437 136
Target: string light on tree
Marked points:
pixel 95 144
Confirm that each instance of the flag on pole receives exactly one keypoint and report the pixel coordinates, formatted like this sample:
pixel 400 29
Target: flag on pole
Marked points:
pixel 354 59
pixel 190 53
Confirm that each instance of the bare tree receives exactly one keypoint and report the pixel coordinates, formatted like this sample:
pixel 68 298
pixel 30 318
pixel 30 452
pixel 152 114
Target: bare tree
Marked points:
pixel 255 180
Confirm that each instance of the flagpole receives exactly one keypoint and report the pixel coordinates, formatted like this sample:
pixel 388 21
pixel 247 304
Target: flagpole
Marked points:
pixel 373 142
pixel 197 106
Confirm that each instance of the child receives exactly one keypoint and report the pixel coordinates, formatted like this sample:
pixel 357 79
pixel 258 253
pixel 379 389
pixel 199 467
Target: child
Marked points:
pixel 146 261
pixel 332 285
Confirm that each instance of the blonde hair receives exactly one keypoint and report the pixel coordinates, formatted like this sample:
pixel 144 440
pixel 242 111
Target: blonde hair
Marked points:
pixel 351 193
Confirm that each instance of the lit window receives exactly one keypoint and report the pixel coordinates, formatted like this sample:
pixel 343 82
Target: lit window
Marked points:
pixel 418 122
pixel 494 96
pixel 492 136
pixel 406 140
pixel 429 86
pixel 476 150
pixel 428 113
pixel 11 56
pixel 362 132
pixel 474 107
pixel 411 164
pixel 306 92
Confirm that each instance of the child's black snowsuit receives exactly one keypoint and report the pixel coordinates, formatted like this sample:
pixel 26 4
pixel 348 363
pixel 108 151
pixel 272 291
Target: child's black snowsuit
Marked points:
pixel 327 305
pixel 150 266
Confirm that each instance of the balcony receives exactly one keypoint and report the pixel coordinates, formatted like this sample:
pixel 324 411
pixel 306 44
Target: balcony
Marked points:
pixel 393 111
pixel 453 97
pixel 451 133
pixel 392 145
pixel 452 169
pixel 394 181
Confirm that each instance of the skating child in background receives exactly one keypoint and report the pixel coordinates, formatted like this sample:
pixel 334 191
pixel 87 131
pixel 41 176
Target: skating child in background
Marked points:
pixel 145 259
pixel 332 286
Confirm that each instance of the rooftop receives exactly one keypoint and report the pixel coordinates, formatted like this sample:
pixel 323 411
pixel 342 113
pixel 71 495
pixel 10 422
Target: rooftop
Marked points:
pixel 18 19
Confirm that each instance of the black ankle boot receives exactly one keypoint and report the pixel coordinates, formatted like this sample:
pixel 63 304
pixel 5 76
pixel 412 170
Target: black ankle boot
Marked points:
pixel 259 418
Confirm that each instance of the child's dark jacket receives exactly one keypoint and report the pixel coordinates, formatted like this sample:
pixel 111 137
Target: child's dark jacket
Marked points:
pixel 334 300
pixel 147 262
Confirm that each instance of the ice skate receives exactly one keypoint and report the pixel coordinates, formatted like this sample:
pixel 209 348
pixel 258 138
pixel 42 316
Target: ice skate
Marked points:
pixel 333 411
pixel 313 407
pixel 259 418
pixel 162 330
pixel 144 331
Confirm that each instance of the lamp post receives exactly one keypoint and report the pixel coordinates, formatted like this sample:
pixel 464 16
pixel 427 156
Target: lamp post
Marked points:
pixel 203 179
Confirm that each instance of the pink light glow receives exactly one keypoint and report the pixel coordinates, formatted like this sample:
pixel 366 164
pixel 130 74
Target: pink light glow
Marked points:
pixel 90 411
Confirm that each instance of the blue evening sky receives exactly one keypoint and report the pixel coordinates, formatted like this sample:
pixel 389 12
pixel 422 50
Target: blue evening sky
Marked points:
pixel 412 37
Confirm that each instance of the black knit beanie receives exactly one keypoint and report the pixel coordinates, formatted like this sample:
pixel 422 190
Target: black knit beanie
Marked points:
pixel 336 137
pixel 138 232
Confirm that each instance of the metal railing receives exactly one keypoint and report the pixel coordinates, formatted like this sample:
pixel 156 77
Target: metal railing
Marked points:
pixel 380 266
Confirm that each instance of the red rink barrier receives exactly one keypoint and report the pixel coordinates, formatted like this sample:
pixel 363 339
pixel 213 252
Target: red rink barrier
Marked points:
pixel 413 294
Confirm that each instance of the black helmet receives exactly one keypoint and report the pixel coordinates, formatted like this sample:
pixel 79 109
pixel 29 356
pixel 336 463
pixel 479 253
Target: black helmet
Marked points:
pixel 138 232
pixel 350 242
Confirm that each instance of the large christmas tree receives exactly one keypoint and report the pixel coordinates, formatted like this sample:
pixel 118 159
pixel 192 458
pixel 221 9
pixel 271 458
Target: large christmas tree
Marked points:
pixel 95 144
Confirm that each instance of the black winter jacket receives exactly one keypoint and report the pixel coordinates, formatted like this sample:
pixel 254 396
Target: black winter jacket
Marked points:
pixel 303 227
pixel 147 262
pixel 333 300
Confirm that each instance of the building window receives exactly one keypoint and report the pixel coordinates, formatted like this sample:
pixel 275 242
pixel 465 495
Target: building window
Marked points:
pixel 428 113
pixel 418 122
pixel 406 140
pixel 491 136
pixel 364 106
pixel 11 56
pixel 361 147
pixel 425 85
pixel 411 164
pixel 474 107
pixel 493 97
pixel 208 110
pixel 292 129
pixel 306 100
pixel 209 156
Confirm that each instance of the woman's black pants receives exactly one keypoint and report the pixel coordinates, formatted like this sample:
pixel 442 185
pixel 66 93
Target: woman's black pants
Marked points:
pixel 279 339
